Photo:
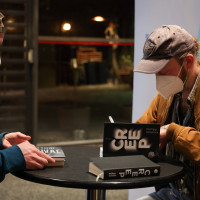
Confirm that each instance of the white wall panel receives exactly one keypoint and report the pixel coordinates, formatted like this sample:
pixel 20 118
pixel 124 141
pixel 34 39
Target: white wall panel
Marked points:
pixel 150 14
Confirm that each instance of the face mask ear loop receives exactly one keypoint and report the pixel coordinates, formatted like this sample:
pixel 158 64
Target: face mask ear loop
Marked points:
pixel 179 74
pixel 180 70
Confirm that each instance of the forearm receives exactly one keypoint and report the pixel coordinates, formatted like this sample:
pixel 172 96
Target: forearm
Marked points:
pixel 11 160
pixel 186 141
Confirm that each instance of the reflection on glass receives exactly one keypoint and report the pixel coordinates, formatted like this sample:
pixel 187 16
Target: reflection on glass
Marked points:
pixel 66 26
pixel 98 19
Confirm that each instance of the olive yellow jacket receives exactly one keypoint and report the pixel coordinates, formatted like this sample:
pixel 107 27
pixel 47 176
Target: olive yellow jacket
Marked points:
pixel 186 140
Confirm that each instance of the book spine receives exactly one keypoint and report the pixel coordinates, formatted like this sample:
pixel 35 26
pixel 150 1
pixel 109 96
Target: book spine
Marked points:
pixel 131 172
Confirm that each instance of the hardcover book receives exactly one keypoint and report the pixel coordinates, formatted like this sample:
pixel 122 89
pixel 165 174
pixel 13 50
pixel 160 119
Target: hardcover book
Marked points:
pixel 123 167
pixel 131 139
pixel 56 153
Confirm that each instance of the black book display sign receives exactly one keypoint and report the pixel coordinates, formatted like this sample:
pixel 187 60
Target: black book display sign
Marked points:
pixel 122 139
pixel 123 167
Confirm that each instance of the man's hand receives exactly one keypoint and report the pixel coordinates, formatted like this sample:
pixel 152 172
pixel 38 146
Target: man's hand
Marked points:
pixel 163 140
pixel 15 138
pixel 35 159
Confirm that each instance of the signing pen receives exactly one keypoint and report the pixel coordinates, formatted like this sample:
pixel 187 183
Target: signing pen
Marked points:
pixel 111 119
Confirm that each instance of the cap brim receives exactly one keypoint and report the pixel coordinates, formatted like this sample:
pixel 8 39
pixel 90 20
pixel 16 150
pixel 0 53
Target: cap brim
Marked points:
pixel 151 66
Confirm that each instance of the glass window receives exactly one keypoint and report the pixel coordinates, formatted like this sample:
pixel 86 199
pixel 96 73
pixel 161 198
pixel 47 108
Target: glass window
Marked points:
pixel 85 70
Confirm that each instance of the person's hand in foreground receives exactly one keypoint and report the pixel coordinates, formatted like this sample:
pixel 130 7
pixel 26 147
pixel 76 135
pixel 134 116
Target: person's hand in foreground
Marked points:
pixel 35 159
pixel 163 139
pixel 14 138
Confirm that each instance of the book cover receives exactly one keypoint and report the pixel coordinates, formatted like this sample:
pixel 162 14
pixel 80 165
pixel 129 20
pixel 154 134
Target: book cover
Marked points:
pixel 123 167
pixel 131 139
pixel 56 153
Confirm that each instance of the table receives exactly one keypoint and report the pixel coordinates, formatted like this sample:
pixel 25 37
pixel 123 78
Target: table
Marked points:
pixel 75 174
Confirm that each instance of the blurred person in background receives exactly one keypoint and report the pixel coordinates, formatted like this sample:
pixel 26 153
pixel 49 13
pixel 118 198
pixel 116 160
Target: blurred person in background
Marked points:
pixel 111 33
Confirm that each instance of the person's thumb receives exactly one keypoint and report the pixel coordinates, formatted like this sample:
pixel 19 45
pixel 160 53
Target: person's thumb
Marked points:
pixel 24 137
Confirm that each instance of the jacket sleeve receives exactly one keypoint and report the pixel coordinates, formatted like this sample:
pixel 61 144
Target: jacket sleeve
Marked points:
pixel 186 140
pixel 1 138
pixel 11 159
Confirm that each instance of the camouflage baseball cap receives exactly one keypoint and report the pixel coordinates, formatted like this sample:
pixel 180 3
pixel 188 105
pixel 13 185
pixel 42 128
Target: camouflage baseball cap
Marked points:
pixel 161 45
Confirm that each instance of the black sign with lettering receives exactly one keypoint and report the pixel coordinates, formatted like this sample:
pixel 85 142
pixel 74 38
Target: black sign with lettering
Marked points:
pixel 122 139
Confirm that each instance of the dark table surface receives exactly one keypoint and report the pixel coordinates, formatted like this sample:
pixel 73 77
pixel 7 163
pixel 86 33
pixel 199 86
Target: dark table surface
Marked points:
pixel 75 173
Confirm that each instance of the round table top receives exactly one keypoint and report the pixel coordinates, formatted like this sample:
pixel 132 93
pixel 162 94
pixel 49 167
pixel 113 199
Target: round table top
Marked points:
pixel 75 173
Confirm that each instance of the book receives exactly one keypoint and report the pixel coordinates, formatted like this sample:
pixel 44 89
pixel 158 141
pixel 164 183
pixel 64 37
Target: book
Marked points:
pixel 56 153
pixel 123 167
pixel 131 139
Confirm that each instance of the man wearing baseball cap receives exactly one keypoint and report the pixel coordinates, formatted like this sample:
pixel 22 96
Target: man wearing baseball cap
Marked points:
pixel 16 153
pixel 170 53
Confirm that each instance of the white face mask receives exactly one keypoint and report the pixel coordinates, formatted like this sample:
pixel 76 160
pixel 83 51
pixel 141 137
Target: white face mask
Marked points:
pixel 169 85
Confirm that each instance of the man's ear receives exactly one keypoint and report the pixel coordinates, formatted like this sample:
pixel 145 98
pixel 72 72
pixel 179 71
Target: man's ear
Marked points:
pixel 189 59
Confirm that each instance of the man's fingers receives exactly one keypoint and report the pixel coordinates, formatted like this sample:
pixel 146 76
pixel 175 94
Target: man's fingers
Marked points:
pixel 36 162
pixel 34 165
pixel 40 160
pixel 23 136
pixel 48 158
